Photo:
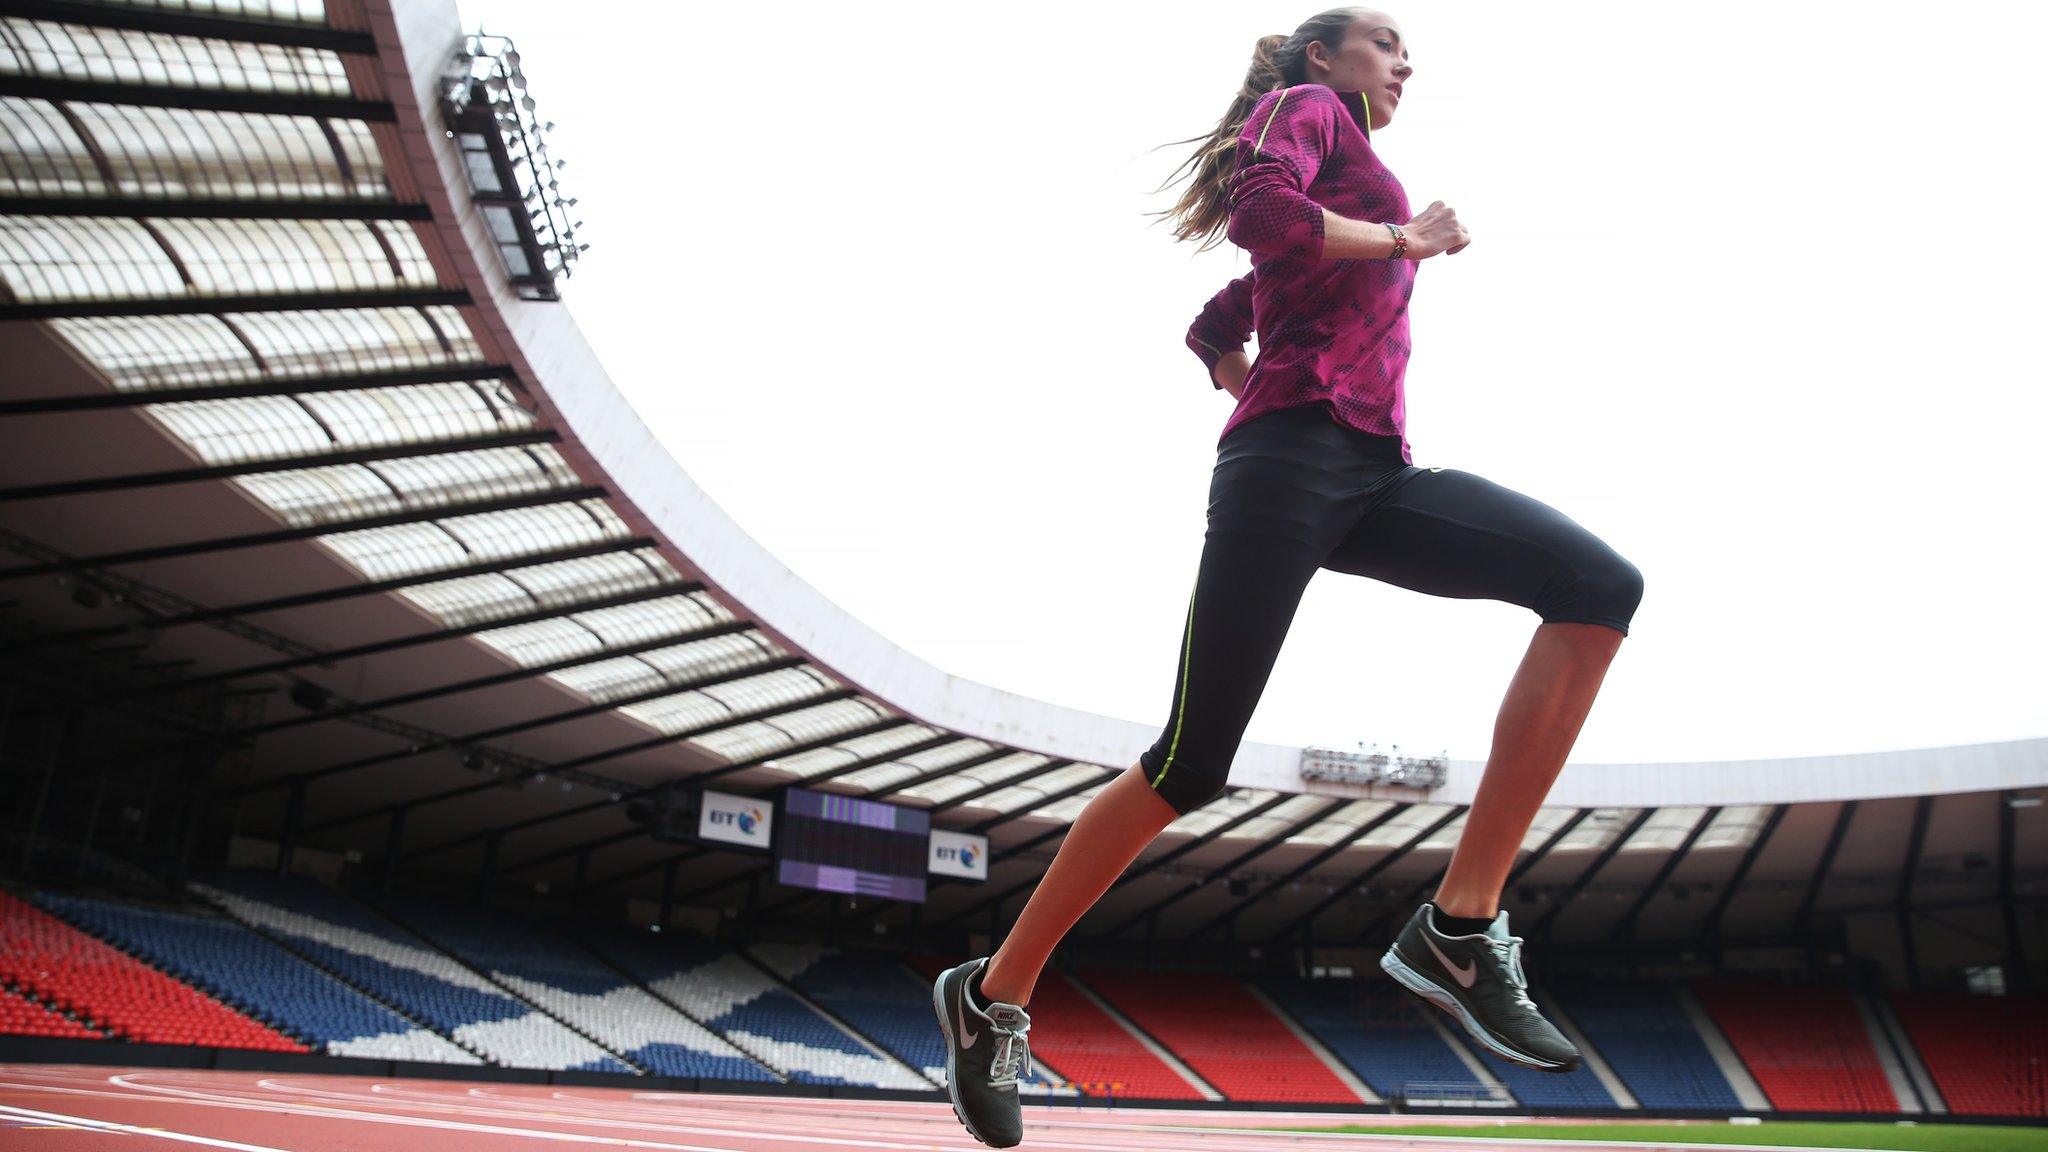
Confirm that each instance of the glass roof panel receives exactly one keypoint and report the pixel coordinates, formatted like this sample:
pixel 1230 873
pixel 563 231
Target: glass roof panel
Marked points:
pixel 41 154
pixel 966 780
pixel 1596 831
pixel 184 153
pixel 761 738
pixel 804 765
pixel 242 429
pixel 344 492
pixel 583 634
pixel 687 710
pixel 54 51
pixel 1445 838
pixel 468 599
pixel 1736 827
pixel 1221 810
pixel 288 11
pixel 226 257
pixel 412 549
pixel 1403 828
pixel 645 672
pixel 1546 824
pixel 1271 824
pixel 653 619
pixel 1665 830
pixel 1067 810
pixel 139 353
pixel 1036 789
pixel 901 768
pixel 45 259
pixel 1341 823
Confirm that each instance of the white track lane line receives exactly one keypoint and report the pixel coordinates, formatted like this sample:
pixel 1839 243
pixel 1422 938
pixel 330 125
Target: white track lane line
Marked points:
pixel 131 1130
pixel 747 1137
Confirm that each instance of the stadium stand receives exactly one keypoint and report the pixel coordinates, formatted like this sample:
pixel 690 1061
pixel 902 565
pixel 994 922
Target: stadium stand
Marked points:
pixel 1214 1025
pixel 1806 1046
pixel 21 1016
pixel 571 984
pixel 1378 1031
pixel 374 954
pixel 1076 1041
pixel 263 981
pixel 882 1000
pixel 1643 1033
pixel 1579 1088
pixel 720 987
pixel 1988 1054
pixel 91 979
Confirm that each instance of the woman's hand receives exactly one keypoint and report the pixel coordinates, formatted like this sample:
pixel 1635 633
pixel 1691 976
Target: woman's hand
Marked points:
pixel 1435 230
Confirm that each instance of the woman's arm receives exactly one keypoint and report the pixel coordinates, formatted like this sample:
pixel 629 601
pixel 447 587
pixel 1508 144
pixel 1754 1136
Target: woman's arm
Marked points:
pixel 1230 371
pixel 1222 327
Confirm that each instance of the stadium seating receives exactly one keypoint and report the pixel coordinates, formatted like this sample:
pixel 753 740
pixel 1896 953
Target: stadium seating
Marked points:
pixel 881 999
pixel 720 987
pixel 1806 1046
pixel 21 1016
pixel 240 968
pixel 1988 1054
pixel 1379 1031
pixel 573 985
pixel 94 980
pixel 374 954
pixel 1078 1043
pixel 1219 1029
pixel 1644 1034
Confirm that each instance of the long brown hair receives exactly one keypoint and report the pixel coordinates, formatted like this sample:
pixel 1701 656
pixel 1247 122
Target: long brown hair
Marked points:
pixel 1277 62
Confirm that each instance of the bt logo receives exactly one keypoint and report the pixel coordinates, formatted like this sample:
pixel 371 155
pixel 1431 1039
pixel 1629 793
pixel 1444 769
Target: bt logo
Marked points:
pixel 747 820
pixel 964 855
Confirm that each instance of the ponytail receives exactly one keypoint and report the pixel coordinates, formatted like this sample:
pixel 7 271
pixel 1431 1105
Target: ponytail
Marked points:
pixel 1203 210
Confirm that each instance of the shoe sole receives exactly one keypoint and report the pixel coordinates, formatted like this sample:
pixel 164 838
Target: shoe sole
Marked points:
pixel 1436 994
pixel 952 1045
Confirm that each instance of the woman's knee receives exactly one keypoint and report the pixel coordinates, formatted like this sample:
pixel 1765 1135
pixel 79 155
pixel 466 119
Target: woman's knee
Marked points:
pixel 1605 589
pixel 1183 785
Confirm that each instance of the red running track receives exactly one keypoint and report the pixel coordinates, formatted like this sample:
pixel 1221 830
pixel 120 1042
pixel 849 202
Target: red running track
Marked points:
pixel 52 1108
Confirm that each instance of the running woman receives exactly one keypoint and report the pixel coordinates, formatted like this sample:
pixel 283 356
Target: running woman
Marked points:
pixel 1313 471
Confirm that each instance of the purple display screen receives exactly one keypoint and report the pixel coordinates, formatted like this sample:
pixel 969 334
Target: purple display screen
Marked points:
pixel 860 847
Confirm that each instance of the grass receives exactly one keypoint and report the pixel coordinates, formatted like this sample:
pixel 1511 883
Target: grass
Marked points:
pixel 1791 1134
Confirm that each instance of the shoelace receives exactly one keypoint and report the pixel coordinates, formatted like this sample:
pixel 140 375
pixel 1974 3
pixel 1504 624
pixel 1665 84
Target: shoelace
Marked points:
pixel 1012 1053
pixel 1508 954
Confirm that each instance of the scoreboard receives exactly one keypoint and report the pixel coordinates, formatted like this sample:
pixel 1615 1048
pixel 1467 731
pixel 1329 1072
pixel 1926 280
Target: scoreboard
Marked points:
pixel 838 843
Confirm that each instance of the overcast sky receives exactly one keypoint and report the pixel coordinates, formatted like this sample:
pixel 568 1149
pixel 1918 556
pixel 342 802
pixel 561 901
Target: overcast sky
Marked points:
pixel 1755 294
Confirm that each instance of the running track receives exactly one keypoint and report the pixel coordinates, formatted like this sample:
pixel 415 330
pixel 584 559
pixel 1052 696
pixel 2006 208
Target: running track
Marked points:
pixel 48 1108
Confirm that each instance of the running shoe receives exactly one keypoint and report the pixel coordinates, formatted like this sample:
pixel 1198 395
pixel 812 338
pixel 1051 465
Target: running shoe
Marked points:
pixel 985 1051
pixel 1478 980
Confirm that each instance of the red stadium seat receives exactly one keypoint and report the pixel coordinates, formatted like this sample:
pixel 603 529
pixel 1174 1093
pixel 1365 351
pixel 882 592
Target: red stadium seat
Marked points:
pixel 81 974
pixel 1988 1054
pixel 1806 1046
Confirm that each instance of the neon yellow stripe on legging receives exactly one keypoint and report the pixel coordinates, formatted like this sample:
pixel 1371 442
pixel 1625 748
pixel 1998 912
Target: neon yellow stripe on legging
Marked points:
pixel 1180 711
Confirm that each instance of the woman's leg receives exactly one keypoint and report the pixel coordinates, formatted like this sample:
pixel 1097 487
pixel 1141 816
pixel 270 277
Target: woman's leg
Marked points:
pixel 1111 831
pixel 1546 704
pixel 1246 591
pixel 1450 533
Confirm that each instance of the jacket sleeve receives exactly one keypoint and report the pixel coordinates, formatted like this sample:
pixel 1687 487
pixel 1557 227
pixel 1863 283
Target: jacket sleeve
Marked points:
pixel 1280 149
pixel 1223 326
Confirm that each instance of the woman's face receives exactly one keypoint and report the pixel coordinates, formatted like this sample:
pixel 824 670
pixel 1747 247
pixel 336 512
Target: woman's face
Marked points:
pixel 1373 60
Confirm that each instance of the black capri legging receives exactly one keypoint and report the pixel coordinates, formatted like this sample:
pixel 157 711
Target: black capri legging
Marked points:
pixel 1294 491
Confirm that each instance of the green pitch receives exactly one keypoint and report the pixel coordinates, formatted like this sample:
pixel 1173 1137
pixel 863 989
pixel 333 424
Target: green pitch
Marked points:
pixel 1788 1134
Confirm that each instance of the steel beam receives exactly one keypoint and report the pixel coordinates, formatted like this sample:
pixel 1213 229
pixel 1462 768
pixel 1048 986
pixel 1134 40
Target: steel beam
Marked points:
pixel 304 386
pixel 1627 923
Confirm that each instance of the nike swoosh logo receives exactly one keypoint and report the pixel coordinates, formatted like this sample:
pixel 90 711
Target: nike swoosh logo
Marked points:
pixel 967 1038
pixel 1436 469
pixel 1465 975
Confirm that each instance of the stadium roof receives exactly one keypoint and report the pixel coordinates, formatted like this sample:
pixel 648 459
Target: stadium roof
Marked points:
pixel 297 440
